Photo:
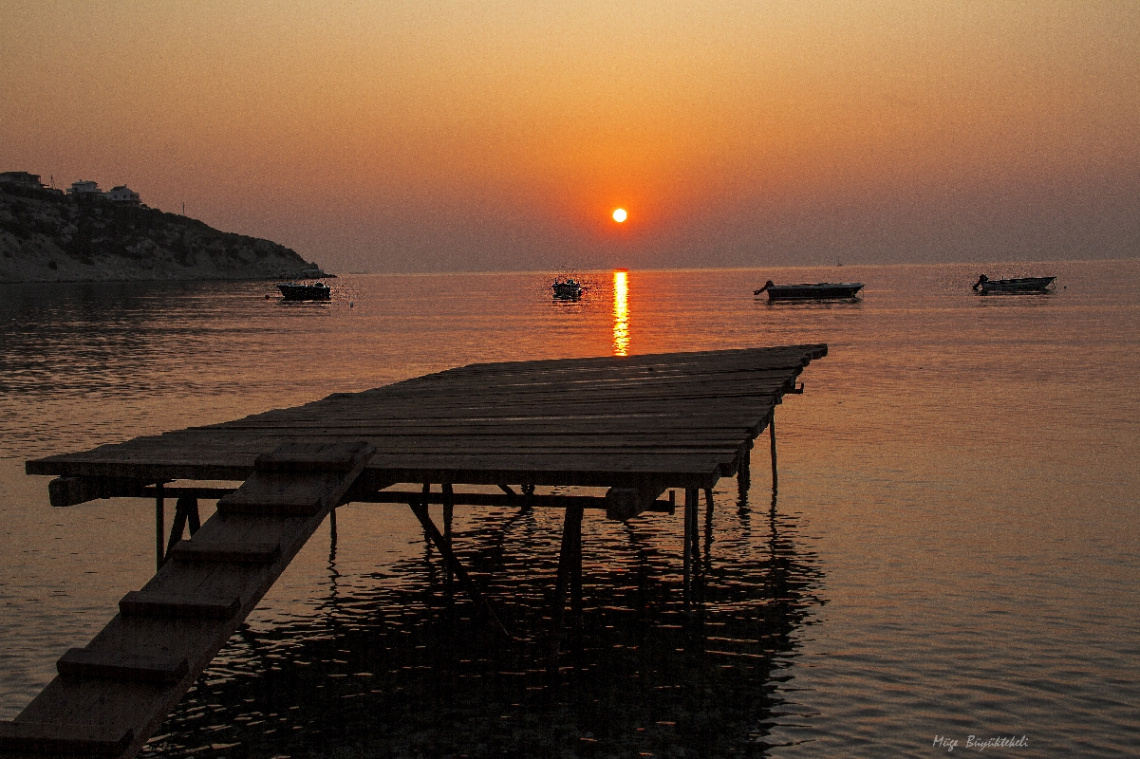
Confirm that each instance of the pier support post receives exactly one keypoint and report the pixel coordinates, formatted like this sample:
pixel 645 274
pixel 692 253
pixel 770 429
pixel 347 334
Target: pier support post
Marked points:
pixel 690 541
pixel 448 510
pixel 772 435
pixel 420 509
pixel 159 524
pixel 576 571
pixel 744 472
pixel 448 516
pixel 708 526
pixel 185 515
pixel 569 575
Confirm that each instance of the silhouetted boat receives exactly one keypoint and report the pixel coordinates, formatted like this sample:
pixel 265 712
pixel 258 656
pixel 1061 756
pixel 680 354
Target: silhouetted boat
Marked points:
pixel 818 291
pixel 1022 286
pixel 567 289
pixel 302 291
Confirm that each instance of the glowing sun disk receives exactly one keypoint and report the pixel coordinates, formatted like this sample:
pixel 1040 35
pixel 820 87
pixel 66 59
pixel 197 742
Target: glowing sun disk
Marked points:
pixel 620 215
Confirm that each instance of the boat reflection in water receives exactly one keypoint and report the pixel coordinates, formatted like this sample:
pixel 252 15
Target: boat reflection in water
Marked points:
pixel 621 312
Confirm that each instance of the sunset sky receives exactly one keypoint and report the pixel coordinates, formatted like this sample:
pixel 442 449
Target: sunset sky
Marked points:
pixel 427 136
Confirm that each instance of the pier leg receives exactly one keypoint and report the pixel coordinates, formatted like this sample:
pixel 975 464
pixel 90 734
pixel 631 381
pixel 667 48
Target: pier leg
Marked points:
pixel 159 524
pixel 192 516
pixel 576 573
pixel 772 435
pixel 185 510
pixel 708 526
pixel 569 556
pixel 448 510
pixel 448 516
pixel 689 540
pixel 744 473
pixel 427 536
pixel 420 509
pixel 332 525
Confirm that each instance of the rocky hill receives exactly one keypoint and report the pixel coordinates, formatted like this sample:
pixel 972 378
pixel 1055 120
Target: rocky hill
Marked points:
pixel 46 236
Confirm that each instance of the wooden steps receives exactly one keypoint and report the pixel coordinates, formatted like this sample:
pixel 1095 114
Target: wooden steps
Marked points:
pixel 146 604
pixel 112 694
pixel 122 665
pixel 223 551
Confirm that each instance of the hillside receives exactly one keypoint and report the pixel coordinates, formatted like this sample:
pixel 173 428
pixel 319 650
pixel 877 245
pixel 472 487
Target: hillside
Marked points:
pixel 46 236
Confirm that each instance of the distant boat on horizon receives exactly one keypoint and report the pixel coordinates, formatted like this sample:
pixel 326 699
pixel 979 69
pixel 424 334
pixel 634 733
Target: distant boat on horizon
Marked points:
pixel 1020 286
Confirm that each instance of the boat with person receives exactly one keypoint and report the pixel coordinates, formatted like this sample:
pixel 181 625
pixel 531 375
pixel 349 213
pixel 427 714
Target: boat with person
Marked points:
pixel 1020 286
pixel 567 289
pixel 304 291
pixel 817 291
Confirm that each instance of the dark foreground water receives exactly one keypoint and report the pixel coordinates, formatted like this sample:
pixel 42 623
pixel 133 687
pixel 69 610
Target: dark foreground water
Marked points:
pixel 951 557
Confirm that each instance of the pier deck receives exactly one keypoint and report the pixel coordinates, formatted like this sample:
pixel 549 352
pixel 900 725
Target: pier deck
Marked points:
pixel 636 425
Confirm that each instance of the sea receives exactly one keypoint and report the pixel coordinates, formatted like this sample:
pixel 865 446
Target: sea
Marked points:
pixel 949 564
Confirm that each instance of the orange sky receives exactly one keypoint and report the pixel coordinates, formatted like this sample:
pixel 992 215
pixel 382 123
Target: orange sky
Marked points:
pixel 410 136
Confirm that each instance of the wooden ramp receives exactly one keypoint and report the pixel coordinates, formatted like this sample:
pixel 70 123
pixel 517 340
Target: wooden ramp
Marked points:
pixel 636 425
pixel 110 696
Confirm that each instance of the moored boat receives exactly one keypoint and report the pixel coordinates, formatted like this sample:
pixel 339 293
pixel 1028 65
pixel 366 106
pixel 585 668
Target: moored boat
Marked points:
pixel 567 289
pixel 1021 286
pixel 304 291
pixel 818 291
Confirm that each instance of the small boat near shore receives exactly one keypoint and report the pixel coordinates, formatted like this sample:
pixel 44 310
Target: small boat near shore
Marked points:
pixel 304 291
pixel 1021 286
pixel 818 291
pixel 567 289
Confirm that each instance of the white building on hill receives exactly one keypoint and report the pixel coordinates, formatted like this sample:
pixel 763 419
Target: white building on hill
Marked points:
pixel 123 194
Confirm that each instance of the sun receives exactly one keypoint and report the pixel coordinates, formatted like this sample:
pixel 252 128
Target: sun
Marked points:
pixel 620 215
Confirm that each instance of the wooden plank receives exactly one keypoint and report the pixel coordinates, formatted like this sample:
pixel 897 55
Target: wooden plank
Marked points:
pixel 294 505
pixel 63 739
pixel 595 385
pixel 299 457
pixel 144 604
pixel 275 489
pixel 225 551
pixel 122 665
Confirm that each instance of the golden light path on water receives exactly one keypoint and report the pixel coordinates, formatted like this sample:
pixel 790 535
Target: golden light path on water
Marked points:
pixel 621 313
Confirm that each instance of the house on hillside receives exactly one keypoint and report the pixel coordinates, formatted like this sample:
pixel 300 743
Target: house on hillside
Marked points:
pixel 85 189
pixel 124 195
pixel 21 178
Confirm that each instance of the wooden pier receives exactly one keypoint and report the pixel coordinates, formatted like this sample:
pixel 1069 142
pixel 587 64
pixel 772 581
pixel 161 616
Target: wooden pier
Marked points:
pixel 639 426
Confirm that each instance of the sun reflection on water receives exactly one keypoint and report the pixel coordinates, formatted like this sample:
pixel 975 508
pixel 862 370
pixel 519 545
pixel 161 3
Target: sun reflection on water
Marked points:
pixel 621 313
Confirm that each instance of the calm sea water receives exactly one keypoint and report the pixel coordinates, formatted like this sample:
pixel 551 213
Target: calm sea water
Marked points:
pixel 952 551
